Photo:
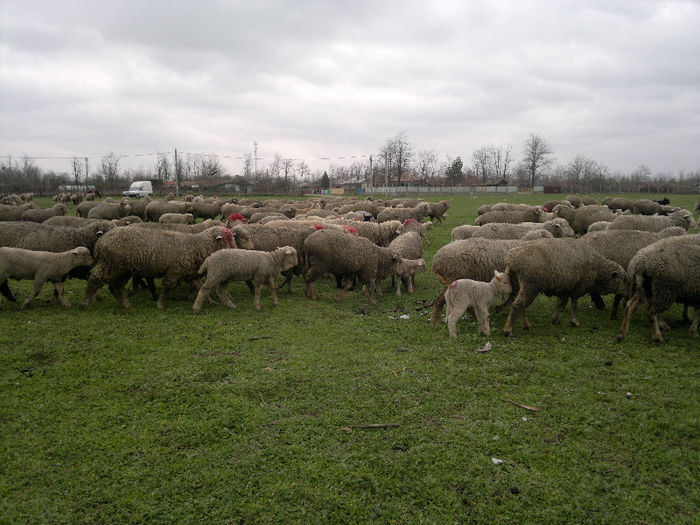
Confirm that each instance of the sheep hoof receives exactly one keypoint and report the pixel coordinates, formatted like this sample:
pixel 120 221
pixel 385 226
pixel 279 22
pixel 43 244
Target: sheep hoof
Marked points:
pixel 574 322
pixel 507 333
pixel 555 320
pixel 620 338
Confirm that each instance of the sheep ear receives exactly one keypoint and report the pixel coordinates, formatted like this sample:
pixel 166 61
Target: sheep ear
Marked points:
pixel 219 237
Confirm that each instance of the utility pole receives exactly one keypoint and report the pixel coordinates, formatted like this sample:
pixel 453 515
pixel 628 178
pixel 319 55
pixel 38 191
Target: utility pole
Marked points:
pixel 86 174
pixel 255 159
pixel 177 176
pixel 371 172
pixel 386 175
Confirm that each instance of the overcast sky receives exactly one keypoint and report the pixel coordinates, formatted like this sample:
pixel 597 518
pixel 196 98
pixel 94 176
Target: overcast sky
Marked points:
pixel 617 81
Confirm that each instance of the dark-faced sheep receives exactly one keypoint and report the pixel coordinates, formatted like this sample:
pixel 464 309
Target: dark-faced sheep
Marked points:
pixel 564 268
pixel 663 273
pixel 253 266
pixel 126 252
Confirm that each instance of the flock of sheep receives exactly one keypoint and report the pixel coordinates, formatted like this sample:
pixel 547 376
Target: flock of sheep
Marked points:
pixel 639 251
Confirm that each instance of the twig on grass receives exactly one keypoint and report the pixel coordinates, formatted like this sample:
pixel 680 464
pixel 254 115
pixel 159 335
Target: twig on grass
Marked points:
pixel 526 407
pixel 257 337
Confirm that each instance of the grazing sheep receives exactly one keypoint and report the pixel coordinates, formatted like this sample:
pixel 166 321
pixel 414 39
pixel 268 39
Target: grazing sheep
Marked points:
pixel 109 211
pixel 575 201
pixel 660 274
pixel 503 230
pixel 410 247
pixel 347 256
pixel 203 210
pixel 84 207
pixel 41 214
pixel 76 198
pixel 381 234
pixel 126 252
pixel 39 266
pixel 537 234
pixel 531 214
pixel 467 293
pixel 646 207
pixel 438 210
pixel 421 227
pixel 176 218
pixel 9 212
pixel 243 265
pixel 157 208
pixel 599 226
pixel 474 259
pixel 653 223
pixel 272 215
pixel 589 201
pixel 484 208
pixel 465 231
pixel 138 206
pixel 54 238
pixel 401 214
pixel 581 218
pixel 549 205
pixel 565 268
pixel 12 232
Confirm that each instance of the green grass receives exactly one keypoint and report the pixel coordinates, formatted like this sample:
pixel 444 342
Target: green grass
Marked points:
pixel 144 415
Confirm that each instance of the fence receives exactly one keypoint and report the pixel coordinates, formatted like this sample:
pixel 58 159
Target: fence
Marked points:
pixel 419 190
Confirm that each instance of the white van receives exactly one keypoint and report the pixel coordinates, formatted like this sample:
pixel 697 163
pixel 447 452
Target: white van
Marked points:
pixel 139 188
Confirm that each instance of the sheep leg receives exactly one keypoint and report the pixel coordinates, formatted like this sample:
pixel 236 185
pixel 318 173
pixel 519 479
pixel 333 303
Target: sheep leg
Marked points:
pixel 525 297
pixel 347 286
pixel 574 320
pixel 310 276
pixel 615 306
pixel 597 301
pixel 202 294
pixel 453 314
pixel 250 286
pixel 222 292
pixel 398 284
pixel 273 290
pixel 655 332
pixel 482 316
pixel 561 305
pixel 629 310
pixel 167 282
pixel 409 282
pixel 58 288
pixel 5 290
pixel 693 330
pixel 256 295
pixel 38 285
pixel 438 303
pixel 663 325
pixel 95 282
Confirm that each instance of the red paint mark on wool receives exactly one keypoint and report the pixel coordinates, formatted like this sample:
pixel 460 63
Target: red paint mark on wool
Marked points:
pixel 408 221
pixel 319 227
pixel 228 237
pixel 350 229
pixel 236 217
pixel 453 285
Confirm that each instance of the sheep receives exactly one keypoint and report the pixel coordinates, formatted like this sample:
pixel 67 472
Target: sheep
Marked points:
pixel 157 208
pixel 438 210
pixel 405 203
pixel 347 256
pixel 575 201
pixel 58 238
pixel 620 246
pixel 406 274
pixel 41 214
pixel 479 296
pixel 203 210
pixel 468 259
pixel 598 226
pixel 10 212
pixel 76 198
pixel 176 218
pixel 84 207
pixel 664 272
pixel 260 215
pixel 565 268
pixel 367 206
pixel 589 201
pixel 618 203
pixel 243 265
pixel 653 223
pixel 503 230
pixel 12 232
pixel 581 218
pixel 537 234
pixel 138 206
pixel 381 234
pixel 126 252
pixel 465 231
pixel 409 246
pixel 109 211
pixel 531 214
pixel 421 227
pixel 40 267
pixel 646 207
pixel 549 205
pixel 401 214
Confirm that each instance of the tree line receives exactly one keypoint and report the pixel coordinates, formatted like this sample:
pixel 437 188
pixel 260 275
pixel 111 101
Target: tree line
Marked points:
pixel 397 162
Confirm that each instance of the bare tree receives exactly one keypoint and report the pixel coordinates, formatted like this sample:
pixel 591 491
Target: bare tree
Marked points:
pixel 163 168
pixel 500 160
pixel 248 166
pixel 427 164
pixel 481 162
pixel 536 155
pixel 397 152
pixel 109 169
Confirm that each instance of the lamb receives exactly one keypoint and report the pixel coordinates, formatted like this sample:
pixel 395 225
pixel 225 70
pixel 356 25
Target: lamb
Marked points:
pixel 532 214
pixel 126 252
pixel 9 212
pixel 618 203
pixel 468 259
pixel 406 274
pixel 438 210
pixel 664 272
pixel 501 230
pixel 109 211
pixel 467 293
pixel 410 247
pixel 41 214
pixel 401 214
pixel 243 265
pixel 581 218
pixel 40 267
pixel 421 227
pixel 176 218
pixel 653 223
pixel 565 268
pixel 347 256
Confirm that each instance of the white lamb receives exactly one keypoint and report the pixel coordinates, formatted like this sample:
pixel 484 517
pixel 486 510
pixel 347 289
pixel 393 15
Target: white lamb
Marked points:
pixel 466 293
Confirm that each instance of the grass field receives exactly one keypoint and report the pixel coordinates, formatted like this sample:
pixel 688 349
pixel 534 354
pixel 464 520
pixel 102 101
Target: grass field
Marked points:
pixel 113 416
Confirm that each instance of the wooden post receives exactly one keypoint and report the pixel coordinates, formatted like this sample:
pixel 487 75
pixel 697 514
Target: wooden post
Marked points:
pixel 177 176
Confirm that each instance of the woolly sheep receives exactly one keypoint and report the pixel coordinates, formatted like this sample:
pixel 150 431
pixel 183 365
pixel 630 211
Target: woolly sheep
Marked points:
pixel 653 223
pixel 589 201
pixel 9 212
pixel 157 208
pixel 565 268
pixel 581 218
pixel 474 259
pixel 41 214
pixel 409 246
pixel 138 206
pixel 465 231
pixel 109 211
pixel 477 295
pixel 598 226
pixel 575 200
pixel 401 214
pixel 537 234
pixel 502 230
pixel 406 274
pixel 438 210
pixel 126 252
pixel 381 234
pixel 84 208
pixel 243 265
pixel 176 218
pixel 620 246
pixel 664 272
pixel 40 267
pixel 531 214
pixel 347 256
pixel 646 207
pixel 203 210
pixel 421 227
